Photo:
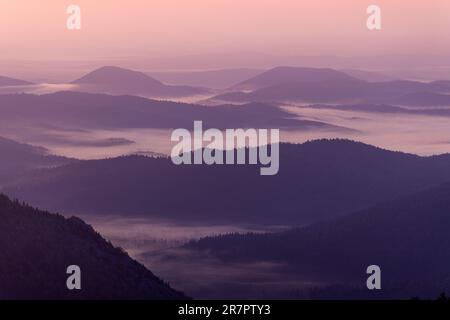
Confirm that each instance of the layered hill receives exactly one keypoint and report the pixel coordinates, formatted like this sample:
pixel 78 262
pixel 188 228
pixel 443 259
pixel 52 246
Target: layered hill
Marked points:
pixel 6 82
pixel 119 81
pixel 284 75
pixel 101 111
pixel 17 159
pixel 317 180
pixel 306 85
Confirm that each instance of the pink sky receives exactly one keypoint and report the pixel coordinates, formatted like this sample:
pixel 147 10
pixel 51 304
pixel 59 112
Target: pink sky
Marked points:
pixel 114 28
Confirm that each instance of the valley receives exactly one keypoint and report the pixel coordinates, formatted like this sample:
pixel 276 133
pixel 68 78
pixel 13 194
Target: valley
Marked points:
pixel 224 150
pixel 104 156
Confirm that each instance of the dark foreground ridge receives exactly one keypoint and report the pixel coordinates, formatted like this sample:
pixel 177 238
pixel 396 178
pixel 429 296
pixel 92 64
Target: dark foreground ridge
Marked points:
pixel 408 238
pixel 37 247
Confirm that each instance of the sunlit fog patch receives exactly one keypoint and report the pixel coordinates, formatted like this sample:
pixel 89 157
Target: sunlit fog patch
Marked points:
pixel 159 245
pixel 87 144
pixel 144 234
pixel 418 134
pixel 194 99
pixel 47 88
pixel 41 88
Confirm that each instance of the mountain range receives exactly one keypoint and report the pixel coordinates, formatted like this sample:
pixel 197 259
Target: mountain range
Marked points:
pixel 312 85
pixel 119 81
pixel 214 79
pixel 349 175
pixel 277 85
pixel 101 111
pixel 345 204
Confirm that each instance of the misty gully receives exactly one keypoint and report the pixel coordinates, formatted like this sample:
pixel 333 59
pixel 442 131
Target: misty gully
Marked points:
pixel 226 309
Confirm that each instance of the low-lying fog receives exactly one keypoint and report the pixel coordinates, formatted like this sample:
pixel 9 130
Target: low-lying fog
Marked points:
pixel 158 245
pixel 419 134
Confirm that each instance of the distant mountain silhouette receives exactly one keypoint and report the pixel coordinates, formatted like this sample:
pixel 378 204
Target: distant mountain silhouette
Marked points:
pixel 217 79
pixel 100 111
pixel 329 86
pixel 115 80
pixel 17 159
pixel 407 237
pixel 317 180
pixel 37 247
pixel 5 82
pixel 309 92
pixel 368 76
pixel 283 75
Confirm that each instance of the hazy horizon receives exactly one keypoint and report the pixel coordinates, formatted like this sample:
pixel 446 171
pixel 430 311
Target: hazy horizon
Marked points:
pixel 163 27
pixel 100 118
pixel 194 35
